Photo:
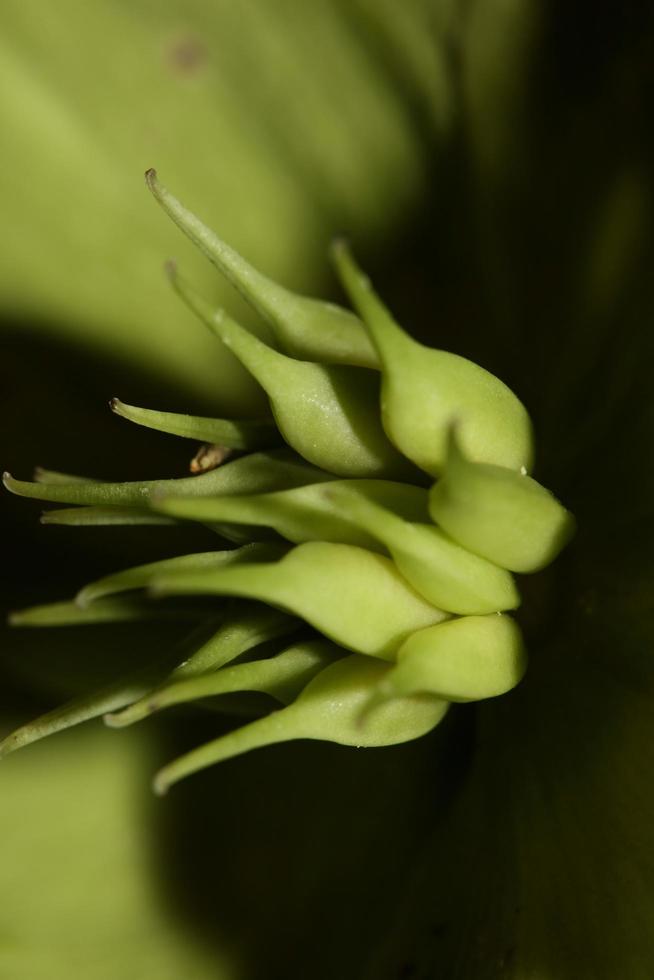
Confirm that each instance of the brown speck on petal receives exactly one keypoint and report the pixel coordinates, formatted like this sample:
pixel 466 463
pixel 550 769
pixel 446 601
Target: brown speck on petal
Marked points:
pixel 186 56
pixel 208 457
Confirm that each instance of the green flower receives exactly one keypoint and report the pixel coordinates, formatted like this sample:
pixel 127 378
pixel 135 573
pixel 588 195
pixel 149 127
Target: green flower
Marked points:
pixel 514 840
pixel 369 571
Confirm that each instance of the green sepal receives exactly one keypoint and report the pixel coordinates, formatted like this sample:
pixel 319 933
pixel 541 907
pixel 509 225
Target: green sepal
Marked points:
pixel 234 434
pixel 424 390
pixel 282 677
pixel 504 516
pixel 353 596
pixel 307 328
pixel 328 413
pixel 328 709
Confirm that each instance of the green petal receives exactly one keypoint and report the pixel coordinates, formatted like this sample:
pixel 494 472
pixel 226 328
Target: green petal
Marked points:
pixel 329 709
pixel 244 627
pixel 446 574
pixel 466 659
pixel 499 514
pixel 222 432
pixel 258 472
pixel 309 513
pixel 328 414
pixel 307 328
pixel 105 611
pixel 355 597
pixel 42 475
pixel 142 576
pixel 103 517
pixel 89 706
pixel 282 677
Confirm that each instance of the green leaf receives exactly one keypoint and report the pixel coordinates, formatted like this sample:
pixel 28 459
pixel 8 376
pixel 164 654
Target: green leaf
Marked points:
pixel 84 895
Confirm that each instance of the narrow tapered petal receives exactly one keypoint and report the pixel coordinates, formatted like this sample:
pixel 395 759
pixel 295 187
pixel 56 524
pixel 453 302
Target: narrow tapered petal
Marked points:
pixel 258 472
pixel 328 709
pixel 424 390
pixel 466 659
pixel 105 611
pixel 141 576
pixel 353 596
pixel 328 414
pixel 104 517
pixel 437 567
pixel 308 513
pixel 499 514
pixel 243 434
pixel 307 328
pixel 282 677
pixel 94 705
pixel 42 475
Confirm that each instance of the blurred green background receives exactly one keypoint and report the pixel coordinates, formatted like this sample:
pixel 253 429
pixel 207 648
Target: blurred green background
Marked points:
pixel 492 161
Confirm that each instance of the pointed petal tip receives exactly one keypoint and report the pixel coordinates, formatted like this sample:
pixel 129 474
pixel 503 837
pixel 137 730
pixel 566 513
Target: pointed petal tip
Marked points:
pixel 340 244
pixel 84 598
pixel 112 719
pixel 7 479
pixel 160 784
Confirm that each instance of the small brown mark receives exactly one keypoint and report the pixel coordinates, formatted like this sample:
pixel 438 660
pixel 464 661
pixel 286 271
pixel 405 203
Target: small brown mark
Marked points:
pixel 186 56
pixel 208 457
